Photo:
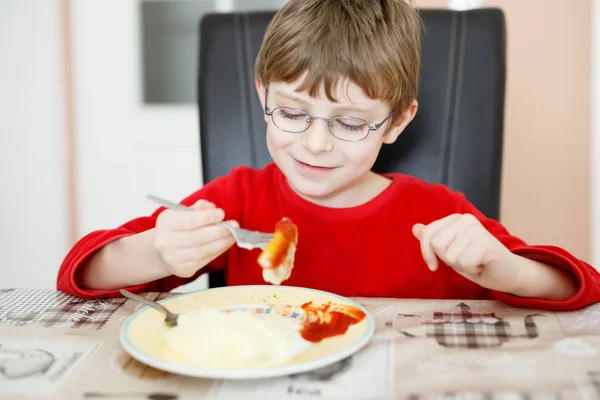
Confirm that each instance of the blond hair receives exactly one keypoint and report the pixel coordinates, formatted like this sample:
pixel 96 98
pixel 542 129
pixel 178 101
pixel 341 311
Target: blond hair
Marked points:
pixel 374 43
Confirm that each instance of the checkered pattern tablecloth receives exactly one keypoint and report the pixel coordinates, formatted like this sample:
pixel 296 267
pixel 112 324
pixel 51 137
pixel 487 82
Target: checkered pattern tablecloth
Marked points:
pixel 49 308
pixel 464 329
pixel 422 349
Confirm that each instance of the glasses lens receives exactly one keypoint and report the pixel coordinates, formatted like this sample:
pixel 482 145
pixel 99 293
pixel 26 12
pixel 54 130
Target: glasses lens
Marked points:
pixel 349 128
pixel 291 119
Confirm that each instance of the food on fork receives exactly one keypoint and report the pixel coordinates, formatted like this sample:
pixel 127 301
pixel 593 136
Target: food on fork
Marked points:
pixel 277 259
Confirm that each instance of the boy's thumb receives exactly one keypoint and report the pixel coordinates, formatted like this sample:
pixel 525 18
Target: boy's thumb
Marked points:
pixel 234 223
pixel 417 230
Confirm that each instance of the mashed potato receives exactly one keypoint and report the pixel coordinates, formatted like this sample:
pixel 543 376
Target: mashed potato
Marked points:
pixel 214 339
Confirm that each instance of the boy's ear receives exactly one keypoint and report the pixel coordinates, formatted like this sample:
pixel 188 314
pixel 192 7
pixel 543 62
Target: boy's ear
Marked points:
pixel 260 89
pixel 401 123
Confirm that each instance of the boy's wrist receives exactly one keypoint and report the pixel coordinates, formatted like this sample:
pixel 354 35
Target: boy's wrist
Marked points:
pixel 507 276
pixel 518 286
pixel 143 243
pixel 534 279
pixel 520 277
pixel 124 262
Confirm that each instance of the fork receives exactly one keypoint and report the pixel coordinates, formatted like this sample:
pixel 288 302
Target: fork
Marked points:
pixel 170 317
pixel 244 238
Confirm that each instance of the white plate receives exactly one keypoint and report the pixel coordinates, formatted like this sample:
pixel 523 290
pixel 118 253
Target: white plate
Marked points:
pixel 143 334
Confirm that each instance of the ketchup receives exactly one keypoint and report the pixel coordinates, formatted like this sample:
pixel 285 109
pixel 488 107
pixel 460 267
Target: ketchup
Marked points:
pixel 321 322
pixel 289 231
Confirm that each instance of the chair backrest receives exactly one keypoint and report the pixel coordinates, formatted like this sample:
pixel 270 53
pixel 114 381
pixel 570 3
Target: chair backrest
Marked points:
pixel 456 138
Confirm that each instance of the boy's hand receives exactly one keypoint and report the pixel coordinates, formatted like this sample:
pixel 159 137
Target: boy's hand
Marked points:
pixel 462 243
pixel 186 241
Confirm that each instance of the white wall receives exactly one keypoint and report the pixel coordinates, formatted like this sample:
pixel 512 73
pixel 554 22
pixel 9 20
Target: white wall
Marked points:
pixel 595 139
pixel 33 228
pixel 126 149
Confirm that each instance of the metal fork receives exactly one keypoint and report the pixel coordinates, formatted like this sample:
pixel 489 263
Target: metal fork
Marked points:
pixel 170 317
pixel 244 238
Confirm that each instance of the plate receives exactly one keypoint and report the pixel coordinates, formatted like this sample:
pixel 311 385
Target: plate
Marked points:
pixel 143 334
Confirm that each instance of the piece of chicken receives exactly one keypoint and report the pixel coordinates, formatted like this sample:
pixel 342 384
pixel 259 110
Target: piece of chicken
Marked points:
pixel 277 259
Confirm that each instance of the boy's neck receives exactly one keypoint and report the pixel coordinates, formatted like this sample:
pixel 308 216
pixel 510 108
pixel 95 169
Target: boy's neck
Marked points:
pixel 361 192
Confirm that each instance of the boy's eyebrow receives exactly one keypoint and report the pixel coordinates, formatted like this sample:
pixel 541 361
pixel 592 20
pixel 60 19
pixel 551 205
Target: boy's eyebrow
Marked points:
pixel 345 108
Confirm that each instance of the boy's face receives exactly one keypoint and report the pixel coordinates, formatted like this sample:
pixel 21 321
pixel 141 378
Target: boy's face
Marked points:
pixel 320 167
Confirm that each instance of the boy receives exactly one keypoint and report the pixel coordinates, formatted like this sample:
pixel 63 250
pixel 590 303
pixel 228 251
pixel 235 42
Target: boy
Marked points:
pixel 337 80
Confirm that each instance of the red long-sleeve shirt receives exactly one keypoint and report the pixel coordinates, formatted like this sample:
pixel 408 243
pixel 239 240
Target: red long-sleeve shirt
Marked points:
pixel 367 250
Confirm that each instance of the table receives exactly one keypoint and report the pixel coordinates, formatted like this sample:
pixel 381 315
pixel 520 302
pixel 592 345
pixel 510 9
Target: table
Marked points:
pixel 55 346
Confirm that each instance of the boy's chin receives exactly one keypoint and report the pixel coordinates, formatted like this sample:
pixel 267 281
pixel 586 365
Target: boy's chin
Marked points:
pixel 312 191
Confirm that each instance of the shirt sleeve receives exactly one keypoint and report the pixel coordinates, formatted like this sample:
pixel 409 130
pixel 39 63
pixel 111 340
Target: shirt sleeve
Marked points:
pixel 218 191
pixel 587 276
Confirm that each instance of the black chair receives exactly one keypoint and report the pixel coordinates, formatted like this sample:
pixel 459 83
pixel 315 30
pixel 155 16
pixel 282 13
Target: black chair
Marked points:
pixel 456 138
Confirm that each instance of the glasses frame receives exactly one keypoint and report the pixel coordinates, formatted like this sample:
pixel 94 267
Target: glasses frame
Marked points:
pixel 329 121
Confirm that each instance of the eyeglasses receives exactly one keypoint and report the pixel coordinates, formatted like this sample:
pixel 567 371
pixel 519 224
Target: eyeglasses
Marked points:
pixel 295 120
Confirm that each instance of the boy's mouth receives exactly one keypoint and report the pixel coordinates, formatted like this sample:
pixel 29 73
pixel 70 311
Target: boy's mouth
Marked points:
pixel 311 167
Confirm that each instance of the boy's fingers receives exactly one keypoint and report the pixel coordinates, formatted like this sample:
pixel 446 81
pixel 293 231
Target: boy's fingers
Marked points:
pixel 196 237
pixel 417 230
pixel 202 205
pixel 234 223
pixel 457 250
pixel 429 255
pixel 193 219
pixel 204 253
pixel 218 247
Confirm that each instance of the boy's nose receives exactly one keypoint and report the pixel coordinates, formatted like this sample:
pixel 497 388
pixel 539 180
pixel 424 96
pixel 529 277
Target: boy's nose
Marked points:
pixel 317 138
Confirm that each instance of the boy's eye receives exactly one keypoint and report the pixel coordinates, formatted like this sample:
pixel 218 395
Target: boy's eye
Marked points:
pixel 290 114
pixel 349 125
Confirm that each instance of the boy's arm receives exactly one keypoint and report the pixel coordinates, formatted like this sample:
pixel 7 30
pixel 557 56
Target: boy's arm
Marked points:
pixel 546 275
pixel 539 280
pixel 552 269
pixel 118 263
pixel 125 262
pixel 90 246
pixel 125 257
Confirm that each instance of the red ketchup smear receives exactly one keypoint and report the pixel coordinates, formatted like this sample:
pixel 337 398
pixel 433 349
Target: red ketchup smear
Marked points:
pixel 287 228
pixel 326 320
pixel 289 231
